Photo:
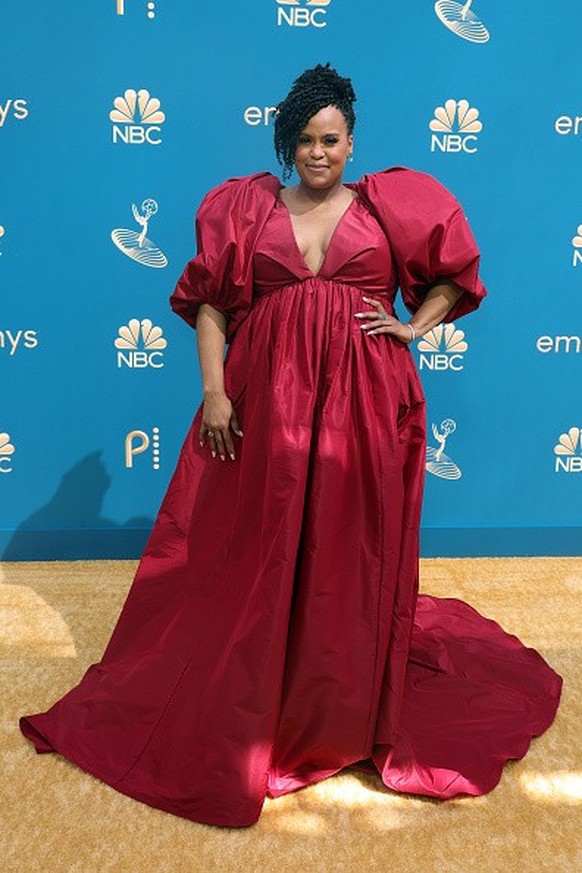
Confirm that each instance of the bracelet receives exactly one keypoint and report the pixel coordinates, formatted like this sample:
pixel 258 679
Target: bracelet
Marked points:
pixel 412 331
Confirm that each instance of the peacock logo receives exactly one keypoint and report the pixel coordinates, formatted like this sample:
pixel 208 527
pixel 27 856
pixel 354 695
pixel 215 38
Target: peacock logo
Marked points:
pixel 437 462
pixel 442 348
pixel 6 452
pixel 461 20
pixel 137 118
pixel 295 13
pixel 140 344
pixel 568 452
pixel 577 243
pixel 454 127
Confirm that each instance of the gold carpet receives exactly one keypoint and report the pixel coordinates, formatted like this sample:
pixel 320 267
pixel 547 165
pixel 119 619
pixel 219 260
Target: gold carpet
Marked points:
pixel 56 619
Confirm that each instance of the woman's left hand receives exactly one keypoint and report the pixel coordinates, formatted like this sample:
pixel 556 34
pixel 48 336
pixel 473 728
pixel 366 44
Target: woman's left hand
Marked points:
pixel 378 321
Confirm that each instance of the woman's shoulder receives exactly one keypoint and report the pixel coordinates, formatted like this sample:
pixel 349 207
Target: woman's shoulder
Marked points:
pixel 403 186
pixel 236 186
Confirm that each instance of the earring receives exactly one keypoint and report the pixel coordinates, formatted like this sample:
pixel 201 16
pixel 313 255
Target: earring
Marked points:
pixel 351 156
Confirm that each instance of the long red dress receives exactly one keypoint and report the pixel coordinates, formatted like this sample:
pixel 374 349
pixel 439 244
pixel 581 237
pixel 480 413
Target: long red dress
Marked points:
pixel 274 633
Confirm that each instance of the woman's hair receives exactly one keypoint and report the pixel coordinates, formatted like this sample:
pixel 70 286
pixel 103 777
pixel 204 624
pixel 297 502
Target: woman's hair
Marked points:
pixel 312 90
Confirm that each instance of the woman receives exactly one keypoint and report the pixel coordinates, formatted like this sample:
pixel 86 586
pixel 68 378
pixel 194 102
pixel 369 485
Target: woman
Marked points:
pixel 273 633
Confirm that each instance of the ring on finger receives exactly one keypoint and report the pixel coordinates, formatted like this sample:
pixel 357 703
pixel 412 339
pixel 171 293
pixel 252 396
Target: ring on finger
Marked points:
pixel 383 315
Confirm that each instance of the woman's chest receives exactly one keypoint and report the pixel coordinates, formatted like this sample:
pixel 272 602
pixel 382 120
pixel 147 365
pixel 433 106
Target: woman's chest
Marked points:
pixel 355 250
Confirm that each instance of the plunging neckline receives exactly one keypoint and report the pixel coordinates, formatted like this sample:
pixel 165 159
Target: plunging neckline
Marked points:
pixel 331 238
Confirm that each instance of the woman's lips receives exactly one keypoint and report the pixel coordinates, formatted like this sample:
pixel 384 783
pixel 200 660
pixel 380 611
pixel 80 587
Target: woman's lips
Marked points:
pixel 316 167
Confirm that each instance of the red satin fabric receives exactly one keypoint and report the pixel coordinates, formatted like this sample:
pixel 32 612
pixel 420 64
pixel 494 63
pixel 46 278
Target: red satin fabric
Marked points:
pixel 273 633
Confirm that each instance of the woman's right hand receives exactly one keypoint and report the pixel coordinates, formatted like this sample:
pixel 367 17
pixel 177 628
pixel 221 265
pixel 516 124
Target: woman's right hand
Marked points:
pixel 218 416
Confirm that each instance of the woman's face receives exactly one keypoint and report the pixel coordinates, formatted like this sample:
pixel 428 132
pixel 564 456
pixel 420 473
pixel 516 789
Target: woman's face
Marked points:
pixel 322 148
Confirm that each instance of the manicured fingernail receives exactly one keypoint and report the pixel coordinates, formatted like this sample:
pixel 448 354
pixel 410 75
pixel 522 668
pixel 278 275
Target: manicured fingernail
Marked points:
pixel 231 455
pixel 222 458
pixel 201 443
pixel 358 314
pixel 213 453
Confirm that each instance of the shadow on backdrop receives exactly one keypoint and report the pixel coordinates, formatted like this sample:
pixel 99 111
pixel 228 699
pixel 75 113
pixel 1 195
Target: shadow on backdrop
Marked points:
pixel 71 527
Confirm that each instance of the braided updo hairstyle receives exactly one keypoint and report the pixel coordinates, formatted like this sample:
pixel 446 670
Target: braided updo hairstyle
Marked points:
pixel 311 91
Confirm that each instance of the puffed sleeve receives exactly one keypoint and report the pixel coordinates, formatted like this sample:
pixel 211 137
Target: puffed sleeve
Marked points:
pixel 220 273
pixel 429 236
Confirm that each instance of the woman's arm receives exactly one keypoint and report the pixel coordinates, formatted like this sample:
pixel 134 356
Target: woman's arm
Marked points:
pixel 218 415
pixel 211 339
pixel 438 301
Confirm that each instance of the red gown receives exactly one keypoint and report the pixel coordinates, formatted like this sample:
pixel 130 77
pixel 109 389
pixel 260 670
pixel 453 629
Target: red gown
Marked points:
pixel 274 633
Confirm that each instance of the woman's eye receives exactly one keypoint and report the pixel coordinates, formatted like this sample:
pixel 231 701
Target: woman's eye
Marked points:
pixel 328 142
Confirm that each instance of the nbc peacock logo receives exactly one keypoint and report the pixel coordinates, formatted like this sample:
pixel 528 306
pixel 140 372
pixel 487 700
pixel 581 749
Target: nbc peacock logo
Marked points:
pixel 455 126
pixel 6 452
pixel 568 452
pixel 577 244
pixel 137 118
pixel 460 18
pixel 295 13
pixel 437 462
pixel 442 348
pixel 140 344
pixel 137 245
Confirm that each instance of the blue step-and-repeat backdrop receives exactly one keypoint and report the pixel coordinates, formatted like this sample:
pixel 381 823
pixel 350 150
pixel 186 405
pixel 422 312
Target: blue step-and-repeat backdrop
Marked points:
pixel 117 116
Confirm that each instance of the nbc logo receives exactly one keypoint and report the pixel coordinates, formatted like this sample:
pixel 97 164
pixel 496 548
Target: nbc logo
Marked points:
pixel 138 441
pixel 140 345
pixel 459 18
pixel 568 451
pixel 454 127
pixel 577 243
pixel 437 462
pixel 6 452
pixel 442 348
pixel 297 14
pixel 137 118
pixel 2 232
pixel 137 245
